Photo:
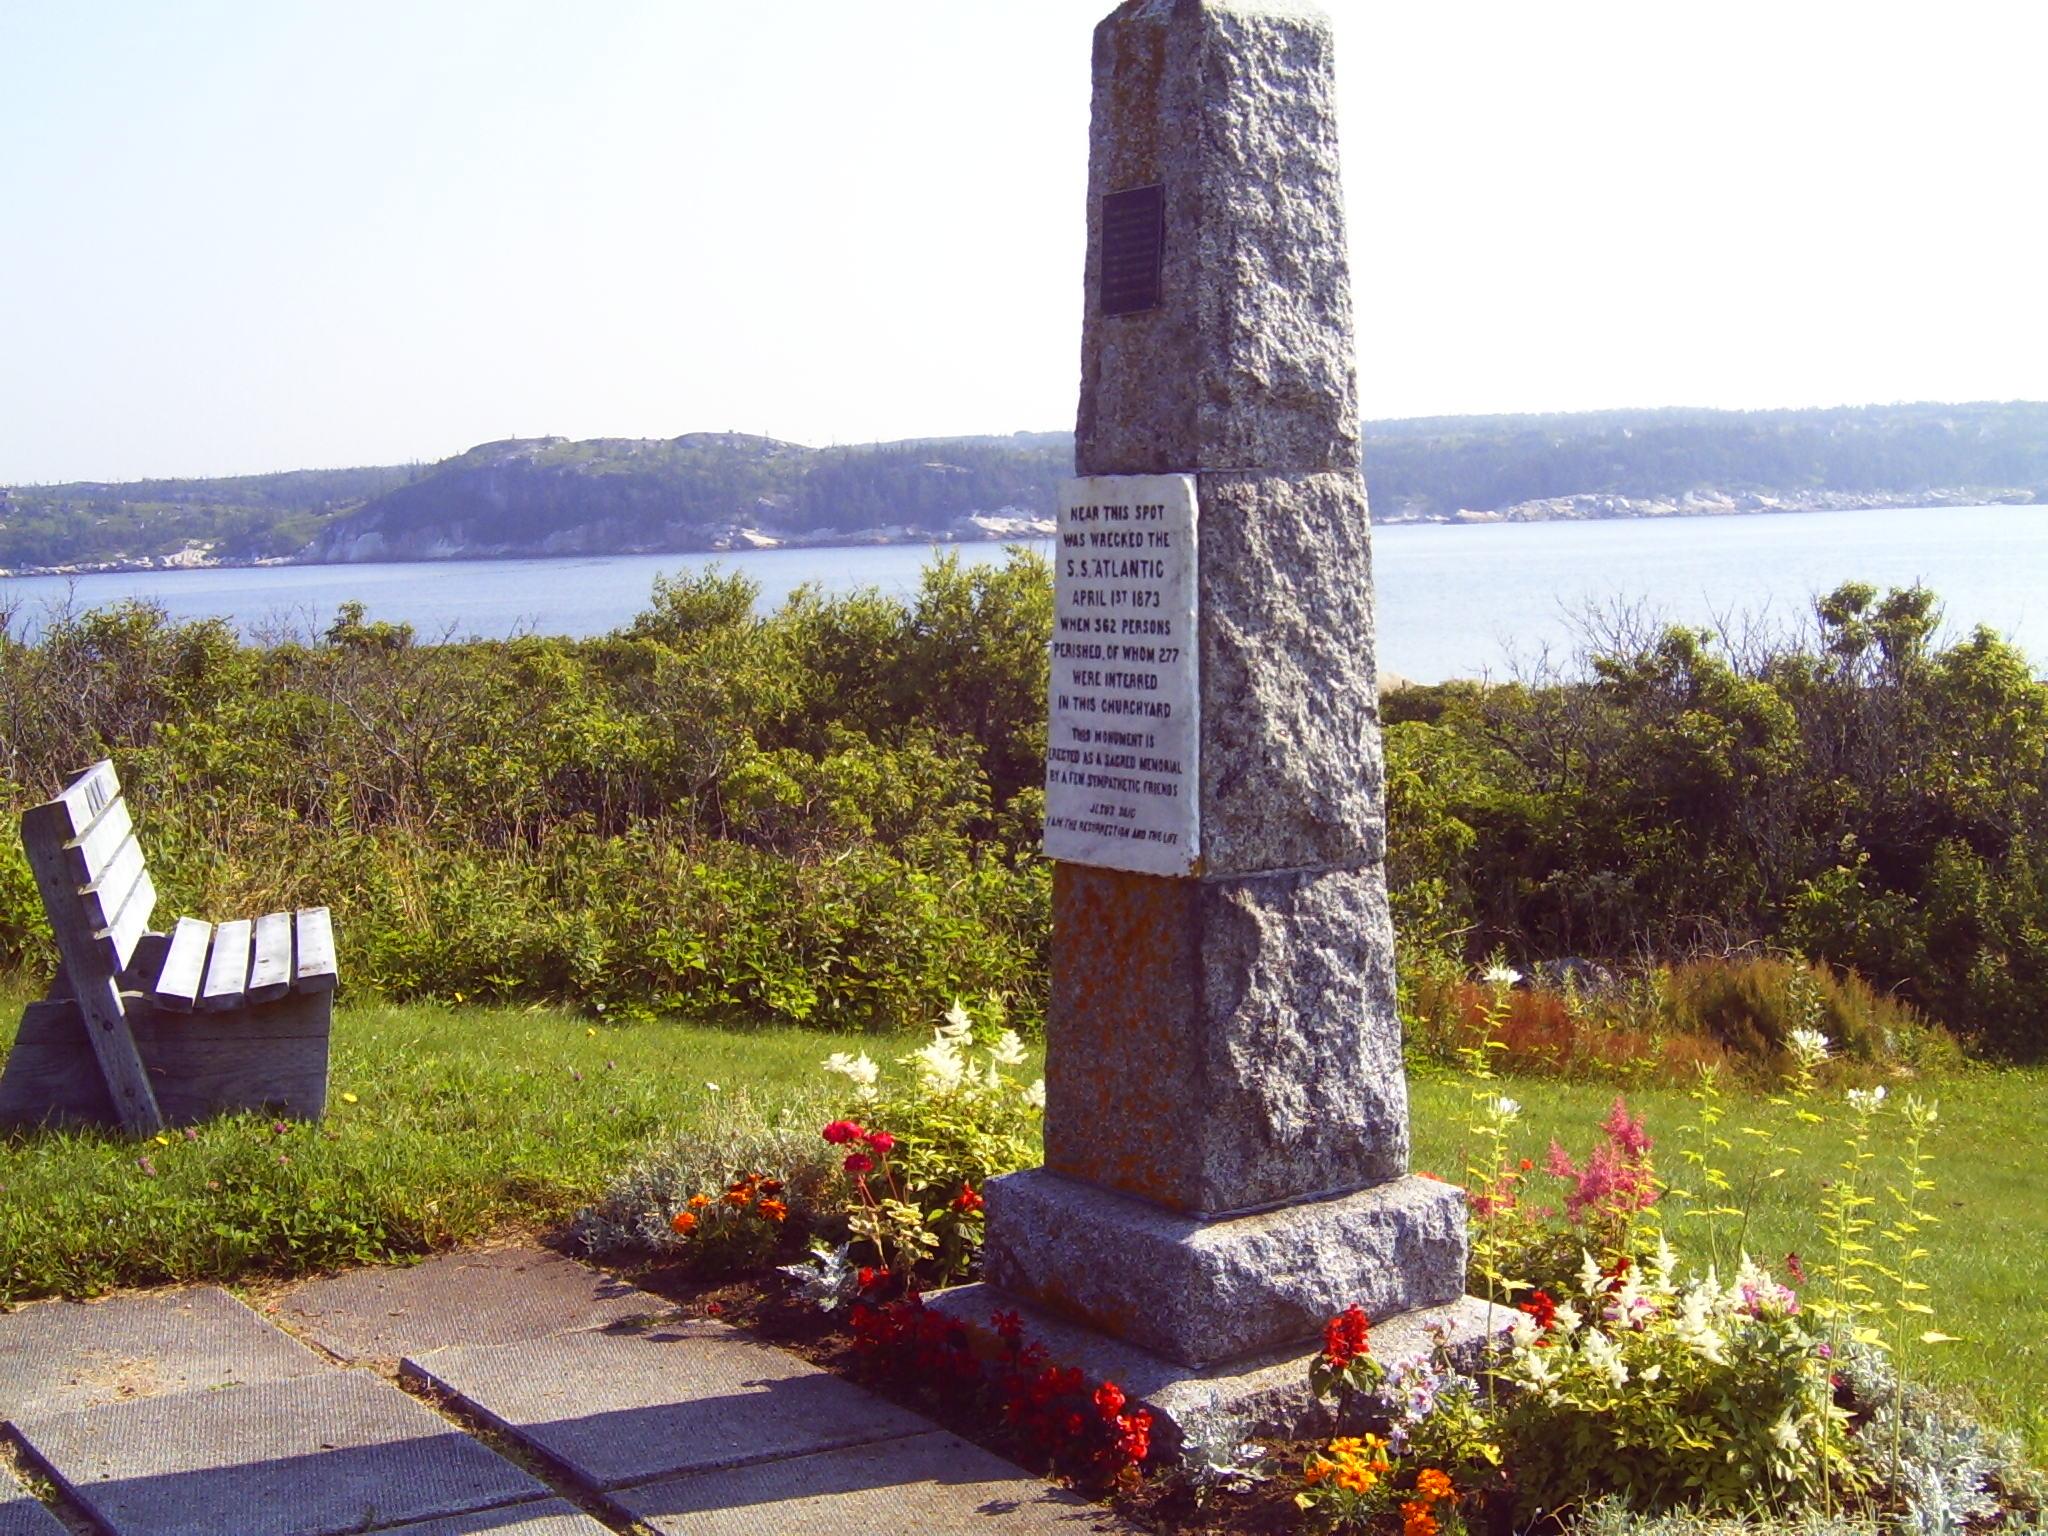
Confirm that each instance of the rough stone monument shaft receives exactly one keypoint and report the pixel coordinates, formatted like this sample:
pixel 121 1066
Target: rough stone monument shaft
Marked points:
pixel 1226 1125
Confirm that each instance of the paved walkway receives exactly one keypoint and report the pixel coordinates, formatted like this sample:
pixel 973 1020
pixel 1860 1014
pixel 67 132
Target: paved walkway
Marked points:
pixel 545 1399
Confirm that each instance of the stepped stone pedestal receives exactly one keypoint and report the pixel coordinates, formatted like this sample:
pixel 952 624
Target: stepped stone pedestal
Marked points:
pixel 1226 1127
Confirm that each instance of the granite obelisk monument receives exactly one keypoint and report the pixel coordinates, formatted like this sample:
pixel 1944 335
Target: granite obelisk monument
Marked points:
pixel 1226 1123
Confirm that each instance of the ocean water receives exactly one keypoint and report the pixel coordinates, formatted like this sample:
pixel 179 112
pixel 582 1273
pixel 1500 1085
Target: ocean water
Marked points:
pixel 1454 601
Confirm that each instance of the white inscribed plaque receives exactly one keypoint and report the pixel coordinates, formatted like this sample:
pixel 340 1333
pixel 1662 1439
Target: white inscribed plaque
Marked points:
pixel 1122 784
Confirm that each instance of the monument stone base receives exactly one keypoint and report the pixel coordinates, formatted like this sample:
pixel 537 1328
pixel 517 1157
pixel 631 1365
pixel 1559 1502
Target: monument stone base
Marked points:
pixel 1260 1394
pixel 1200 1291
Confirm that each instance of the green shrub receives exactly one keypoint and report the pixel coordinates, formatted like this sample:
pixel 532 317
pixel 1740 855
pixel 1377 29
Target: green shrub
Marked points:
pixel 1751 1005
pixel 635 1217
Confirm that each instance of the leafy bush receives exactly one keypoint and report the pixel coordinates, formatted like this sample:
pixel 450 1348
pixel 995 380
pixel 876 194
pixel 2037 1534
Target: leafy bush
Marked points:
pixel 636 1216
pixel 1658 1021
pixel 1671 1391
pixel 1853 792
pixel 1752 1004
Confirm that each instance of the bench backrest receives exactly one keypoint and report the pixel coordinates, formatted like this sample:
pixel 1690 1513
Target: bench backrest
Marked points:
pixel 87 838
pixel 97 891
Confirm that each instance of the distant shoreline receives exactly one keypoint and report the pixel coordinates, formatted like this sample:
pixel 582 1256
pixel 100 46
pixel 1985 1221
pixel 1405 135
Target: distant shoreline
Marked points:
pixel 1603 506
pixel 1011 529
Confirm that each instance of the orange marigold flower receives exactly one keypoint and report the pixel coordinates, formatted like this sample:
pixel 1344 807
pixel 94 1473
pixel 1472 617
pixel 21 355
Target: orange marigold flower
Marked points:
pixel 1353 1478
pixel 774 1210
pixel 1347 1445
pixel 738 1197
pixel 683 1223
pixel 698 1202
pixel 1433 1484
pixel 1317 1470
pixel 1416 1520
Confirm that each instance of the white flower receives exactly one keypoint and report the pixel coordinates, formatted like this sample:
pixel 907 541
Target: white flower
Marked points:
pixel 859 1068
pixel 1786 1433
pixel 1650 1372
pixel 1664 1263
pixel 1523 1332
pixel 1866 1099
pixel 1500 975
pixel 957 1026
pixel 1592 1280
pixel 1008 1049
pixel 1537 1366
pixel 1694 1328
pixel 938 1065
pixel 1604 1355
pixel 1035 1094
pixel 712 1086
pixel 1506 1107
pixel 1809 1045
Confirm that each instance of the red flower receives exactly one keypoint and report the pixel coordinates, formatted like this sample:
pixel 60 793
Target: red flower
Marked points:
pixel 1109 1400
pixel 968 1200
pixel 881 1141
pixel 1541 1306
pixel 1345 1337
pixel 840 1132
pixel 859 1162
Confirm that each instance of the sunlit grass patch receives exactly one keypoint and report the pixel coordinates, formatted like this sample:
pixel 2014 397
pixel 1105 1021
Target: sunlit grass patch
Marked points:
pixel 445 1126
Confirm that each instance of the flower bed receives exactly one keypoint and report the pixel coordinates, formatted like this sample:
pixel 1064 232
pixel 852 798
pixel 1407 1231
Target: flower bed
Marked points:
pixel 1655 1373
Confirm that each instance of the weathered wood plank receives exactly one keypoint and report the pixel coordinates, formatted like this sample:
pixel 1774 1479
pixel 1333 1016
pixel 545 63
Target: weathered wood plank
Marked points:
pixel 86 797
pixel 95 850
pixel 131 922
pixel 227 973
pixel 146 962
pixel 272 1060
pixel 45 829
pixel 315 971
pixel 176 986
pixel 270 973
pixel 105 892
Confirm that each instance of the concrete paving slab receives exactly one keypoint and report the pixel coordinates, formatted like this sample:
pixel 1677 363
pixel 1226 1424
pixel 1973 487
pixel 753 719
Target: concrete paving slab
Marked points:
pixel 611 1409
pixel 313 1457
pixel 935 1484
pixel 59 1356
pixel 21 1515
pixel 550 1517
pixel 496 1296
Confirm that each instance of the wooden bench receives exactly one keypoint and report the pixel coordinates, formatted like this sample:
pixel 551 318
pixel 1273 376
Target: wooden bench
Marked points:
pixel 144 1029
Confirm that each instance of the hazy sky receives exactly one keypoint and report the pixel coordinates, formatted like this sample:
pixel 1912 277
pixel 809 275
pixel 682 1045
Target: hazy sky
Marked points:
pixel 267 235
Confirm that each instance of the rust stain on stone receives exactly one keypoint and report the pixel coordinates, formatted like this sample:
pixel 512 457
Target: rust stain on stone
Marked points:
pixel 1120 1063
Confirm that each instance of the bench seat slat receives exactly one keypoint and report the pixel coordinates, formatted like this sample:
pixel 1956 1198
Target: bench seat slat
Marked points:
pixel 270 973
pixel 184 972
pixel 91 853
pixel 314 971
pixel 227 972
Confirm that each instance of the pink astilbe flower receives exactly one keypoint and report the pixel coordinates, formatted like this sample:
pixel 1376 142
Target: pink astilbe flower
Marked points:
pixel 1618 1179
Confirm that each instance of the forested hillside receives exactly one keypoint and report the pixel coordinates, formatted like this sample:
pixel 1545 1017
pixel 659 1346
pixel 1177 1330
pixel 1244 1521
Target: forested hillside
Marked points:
pixel 715 490
pixel 1441 464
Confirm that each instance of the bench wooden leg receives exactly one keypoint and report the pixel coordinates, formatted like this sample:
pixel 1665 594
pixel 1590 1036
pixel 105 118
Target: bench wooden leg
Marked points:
pixel 53 1077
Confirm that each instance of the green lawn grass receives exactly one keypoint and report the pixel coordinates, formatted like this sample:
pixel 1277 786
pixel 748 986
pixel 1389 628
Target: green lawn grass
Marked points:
pixel 1988 1264
pixel 445 1125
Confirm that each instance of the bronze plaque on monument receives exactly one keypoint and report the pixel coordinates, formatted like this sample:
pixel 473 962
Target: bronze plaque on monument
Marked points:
pixel 1133 249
